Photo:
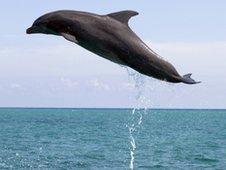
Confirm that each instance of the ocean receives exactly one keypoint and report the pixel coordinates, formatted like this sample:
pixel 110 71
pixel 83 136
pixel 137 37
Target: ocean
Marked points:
pixel 112 139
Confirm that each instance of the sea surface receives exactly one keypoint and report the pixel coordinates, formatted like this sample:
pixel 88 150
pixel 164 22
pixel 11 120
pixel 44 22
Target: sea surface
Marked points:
pixel 112 139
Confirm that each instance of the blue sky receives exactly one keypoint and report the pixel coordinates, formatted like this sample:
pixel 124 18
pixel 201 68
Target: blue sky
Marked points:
pixel 47 71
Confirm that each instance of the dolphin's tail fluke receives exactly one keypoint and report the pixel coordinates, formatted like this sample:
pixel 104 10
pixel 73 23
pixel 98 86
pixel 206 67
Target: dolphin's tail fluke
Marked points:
pixel 188 80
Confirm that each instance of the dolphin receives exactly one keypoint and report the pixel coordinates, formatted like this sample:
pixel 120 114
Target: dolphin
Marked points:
pixel 110 37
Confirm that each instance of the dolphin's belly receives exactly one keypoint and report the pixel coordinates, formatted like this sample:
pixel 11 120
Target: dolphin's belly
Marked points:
pixel 109 55
pixel 97 48
pixel 103 51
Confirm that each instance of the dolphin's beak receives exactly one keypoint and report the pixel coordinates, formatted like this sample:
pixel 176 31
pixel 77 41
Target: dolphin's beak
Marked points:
pixel 41 30
pixel 33 29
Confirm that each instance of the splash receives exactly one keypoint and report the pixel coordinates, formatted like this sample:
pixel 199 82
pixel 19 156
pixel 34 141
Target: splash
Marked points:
pixel 135 122
pixel 133 147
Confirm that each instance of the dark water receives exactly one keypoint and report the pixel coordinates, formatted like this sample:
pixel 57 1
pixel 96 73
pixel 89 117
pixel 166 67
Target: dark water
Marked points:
pixel 100 139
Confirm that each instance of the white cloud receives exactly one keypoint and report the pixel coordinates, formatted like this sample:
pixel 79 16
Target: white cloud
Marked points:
pixel 70 59
pixel 68 82
pixel 99 85
pixel 57 60
pixel 15 86
pixel 205 60
pixel 128 85
pixel 202 57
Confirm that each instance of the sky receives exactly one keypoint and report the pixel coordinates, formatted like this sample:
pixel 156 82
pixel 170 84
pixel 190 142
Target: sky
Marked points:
pixel 48 71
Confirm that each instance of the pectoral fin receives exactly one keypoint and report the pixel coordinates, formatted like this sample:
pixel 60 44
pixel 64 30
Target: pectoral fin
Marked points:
pixel 69 37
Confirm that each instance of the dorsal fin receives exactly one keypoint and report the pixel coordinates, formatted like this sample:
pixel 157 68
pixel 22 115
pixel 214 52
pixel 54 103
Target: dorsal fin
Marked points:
pixel 123 16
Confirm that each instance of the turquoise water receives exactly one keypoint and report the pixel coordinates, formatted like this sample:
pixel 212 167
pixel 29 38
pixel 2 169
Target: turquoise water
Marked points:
pixel 100 139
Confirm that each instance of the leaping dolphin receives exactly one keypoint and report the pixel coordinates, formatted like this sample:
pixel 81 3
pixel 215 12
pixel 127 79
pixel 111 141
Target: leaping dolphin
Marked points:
pixel 110 37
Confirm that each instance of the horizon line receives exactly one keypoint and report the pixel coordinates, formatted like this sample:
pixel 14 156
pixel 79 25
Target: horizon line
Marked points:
pixel 122 108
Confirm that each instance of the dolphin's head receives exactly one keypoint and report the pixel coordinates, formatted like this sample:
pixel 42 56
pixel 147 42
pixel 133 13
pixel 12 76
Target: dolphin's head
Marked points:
pixel 52 23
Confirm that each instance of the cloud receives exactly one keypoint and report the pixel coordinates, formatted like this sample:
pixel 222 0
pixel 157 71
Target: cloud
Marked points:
pixel 52 58
pixel 99 85
pixel 68 82
pixel 201 57
pixel 129 86
pixel 15 86
pixel 76 69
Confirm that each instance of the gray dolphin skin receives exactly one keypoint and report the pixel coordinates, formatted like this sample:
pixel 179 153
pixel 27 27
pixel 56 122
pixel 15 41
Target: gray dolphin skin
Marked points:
pixel 110 37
